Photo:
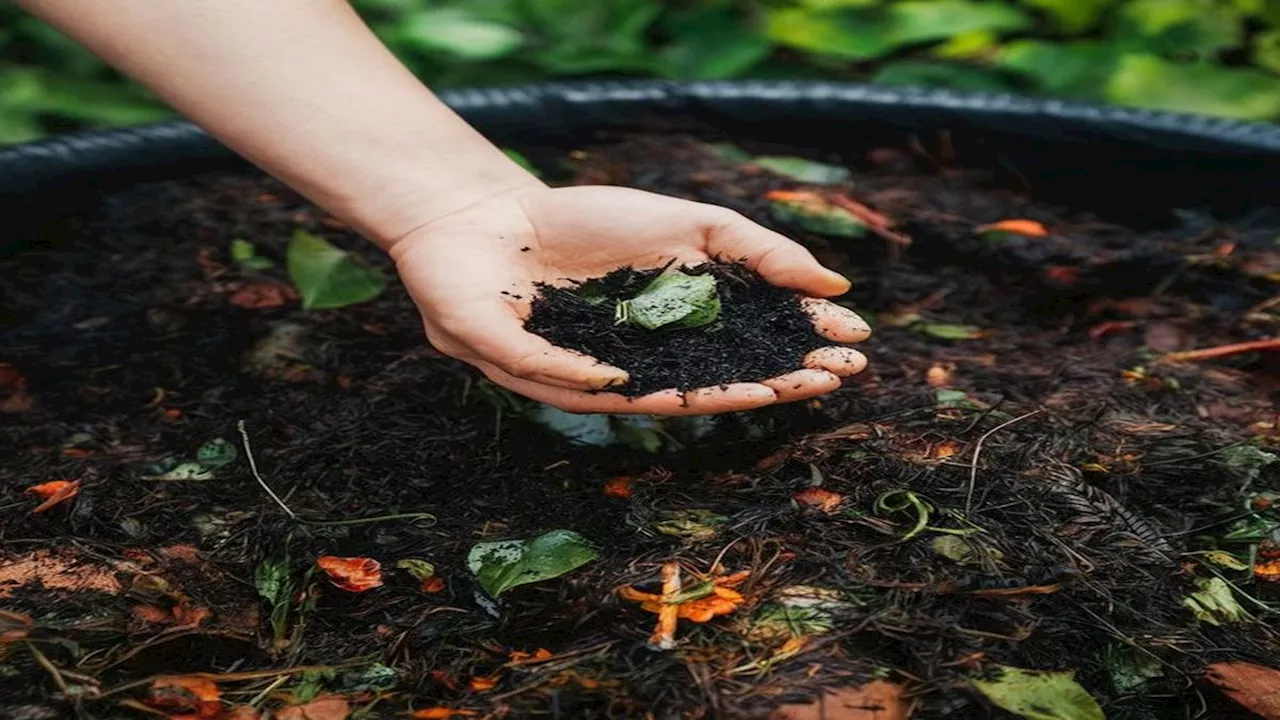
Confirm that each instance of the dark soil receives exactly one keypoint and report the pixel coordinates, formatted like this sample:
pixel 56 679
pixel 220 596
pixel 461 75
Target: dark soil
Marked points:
pixel 1088 471
pixel 762 332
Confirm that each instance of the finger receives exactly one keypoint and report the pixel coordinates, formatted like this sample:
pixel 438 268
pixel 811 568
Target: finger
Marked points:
pixel 779 260
pixel 732 397
pixel 803 384
pixel 836 323
pixel 497 337
pixel 840 361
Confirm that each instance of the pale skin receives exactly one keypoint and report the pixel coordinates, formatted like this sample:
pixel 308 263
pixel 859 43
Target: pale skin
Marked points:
pixel 305 91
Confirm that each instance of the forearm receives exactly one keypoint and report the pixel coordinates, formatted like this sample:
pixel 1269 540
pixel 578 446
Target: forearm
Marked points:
pixel 304 90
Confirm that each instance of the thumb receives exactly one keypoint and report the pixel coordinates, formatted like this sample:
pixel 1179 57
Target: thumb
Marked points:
pixel 733 237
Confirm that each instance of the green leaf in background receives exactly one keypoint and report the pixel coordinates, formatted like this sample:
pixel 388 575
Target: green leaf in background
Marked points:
pixel 843 34
pixel 504 564
pixel 1151 82
pixel 951 332
pixel 1073 16
pixel 673 298
pixel 1201 27
pixel 523 162
pixel 972 45
pixel 1130 668
pixel 216 453
pixel 1266 50
pixel 729 151
pixel 709 43
pixel 1040 695
pixel 798 168
pixel 459 33
pixel 1248 460
pixel 917 21
pixel 327 277
pixel 1214 603
pixel 814 213
pixel 907 73
pixel 1073 70
pixel 271 579
pixel 244 253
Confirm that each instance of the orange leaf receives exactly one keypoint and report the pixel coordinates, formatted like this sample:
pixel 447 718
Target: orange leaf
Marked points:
pixel 1030 228
pixel 432 584
pixel 483 684
pixel 54 492
pixel 150 614
pixel 14 626
pixel 325 707
pixel 619 487
pixel 877 700
pixel 187 616
pixel 1268 571
pixel 819 499
pixel 939 376
pixel 241 712
pixel 1255 687
pixel 258 296
pixel 351 574
pixel 441 713
pixel 519 656
pixel 722 601
pixel 186 692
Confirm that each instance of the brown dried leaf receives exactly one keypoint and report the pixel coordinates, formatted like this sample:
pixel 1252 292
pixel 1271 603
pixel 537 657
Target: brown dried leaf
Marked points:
pixel 877 700
pixel 1254 687
pixel 325 707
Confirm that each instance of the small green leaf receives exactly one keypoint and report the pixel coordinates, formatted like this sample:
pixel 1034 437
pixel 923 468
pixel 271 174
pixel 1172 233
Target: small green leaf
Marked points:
pixel 793 621
pixel 1214 603
pixel 502 565
pixel 916 21
pixel 1225 559
pixel 186 471
pixel 522 161
pixel 1074 69
pixel 847 34
pixel 808 171
pixel 952 332
pixel 457 32
pixel 1179 26
pixel 694 524
pixel 673 298
pixel 328 277
pixel 311 683
pixel 1152 82
pixel 271 579
pixel 1040 695
pixel 953 548
pixel 419 569
pixel 815 214
pixel 244 253
pixel 729 151
pixel 216 453
pixel 374 678
pixel 1248 460
pixel 1130 668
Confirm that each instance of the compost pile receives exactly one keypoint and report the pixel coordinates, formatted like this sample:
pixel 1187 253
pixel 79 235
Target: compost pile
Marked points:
pixel 1033 474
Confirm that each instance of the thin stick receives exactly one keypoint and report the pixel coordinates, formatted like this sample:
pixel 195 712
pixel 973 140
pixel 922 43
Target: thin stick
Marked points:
pixel 1223 350
pixel 664 635
pixel 977 450
pixel 248 451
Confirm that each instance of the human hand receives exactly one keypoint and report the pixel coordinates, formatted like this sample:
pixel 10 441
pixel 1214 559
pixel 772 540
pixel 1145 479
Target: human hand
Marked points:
pixel 473 272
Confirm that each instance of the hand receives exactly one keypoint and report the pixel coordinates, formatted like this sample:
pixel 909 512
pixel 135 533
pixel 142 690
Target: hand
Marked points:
pixel 458 267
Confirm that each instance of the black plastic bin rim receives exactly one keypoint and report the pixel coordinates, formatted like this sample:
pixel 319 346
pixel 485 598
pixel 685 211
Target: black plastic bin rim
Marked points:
pixel 566 110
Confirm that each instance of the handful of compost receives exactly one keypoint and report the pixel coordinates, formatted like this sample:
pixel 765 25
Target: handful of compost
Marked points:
pixel 684 327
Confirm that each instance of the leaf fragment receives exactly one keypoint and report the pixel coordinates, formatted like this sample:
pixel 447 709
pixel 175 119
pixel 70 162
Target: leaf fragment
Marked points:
pixel 673 298
pixel 1254 687
pixel 1039 695
pixel 504 564
pixel 186 692
pixel 813 212
pixel 1214 602
pixel 53 493
pixel 244 253
pixel 353 574
pixel 803 170
pixel 216 453
pixel 1029 228
pixel 952 332
pixel 328 277
pixel 695 524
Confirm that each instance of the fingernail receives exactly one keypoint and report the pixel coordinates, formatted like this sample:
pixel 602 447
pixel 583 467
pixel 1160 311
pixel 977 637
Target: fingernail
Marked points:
pixel 843 281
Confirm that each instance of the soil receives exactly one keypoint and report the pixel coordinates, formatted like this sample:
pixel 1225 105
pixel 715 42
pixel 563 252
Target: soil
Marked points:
pixel 1084 471
pixel 762 332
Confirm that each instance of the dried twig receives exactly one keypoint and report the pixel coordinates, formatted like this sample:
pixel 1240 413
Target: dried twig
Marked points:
pixel 1223 350
pixel 253 465
pixel 977 450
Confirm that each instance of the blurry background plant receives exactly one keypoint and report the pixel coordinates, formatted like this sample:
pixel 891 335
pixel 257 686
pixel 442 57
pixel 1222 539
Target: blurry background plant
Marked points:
pixel 1219 57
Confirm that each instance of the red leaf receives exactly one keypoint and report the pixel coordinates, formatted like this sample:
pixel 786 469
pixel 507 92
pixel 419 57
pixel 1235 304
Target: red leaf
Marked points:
pixel 619 487
pixel 325 707
pixel 257 296
pixel 819 499
pixel 1255 687
pixel 186 692
pixel 54 493
pixel 351 574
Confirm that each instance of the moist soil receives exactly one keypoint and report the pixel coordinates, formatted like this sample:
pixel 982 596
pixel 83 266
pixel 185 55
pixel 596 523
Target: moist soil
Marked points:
pixel 1081 469
pixel 762 331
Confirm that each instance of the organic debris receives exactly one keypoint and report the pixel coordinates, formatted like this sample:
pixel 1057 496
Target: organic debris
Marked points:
pixel 54 493
pixel 356 574
pixel 1253 686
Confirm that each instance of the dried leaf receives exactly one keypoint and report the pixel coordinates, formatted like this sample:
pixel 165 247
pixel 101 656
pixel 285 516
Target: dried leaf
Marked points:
pixel 694 524
pixel 952 332
pixel 618 487
pixel 328 277
pixel 1267 571
pixel 819 499
pixel 815 213
pixel 803 170
pixel 441 713
pixel 1225 559
pixel 877 700
pixel 483 684
pixel 327 707
pixel 673 298
pixel 356 574
pixel 54 492
pixel 1029 228
pixel 1040 695
pixel 1254 687
pixel 192 471
pixel 263 295
pixel 185 692
pixel 504 564
pixel 1214 602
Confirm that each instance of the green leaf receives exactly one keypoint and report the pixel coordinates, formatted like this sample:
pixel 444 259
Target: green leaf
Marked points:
pixel 730 152
pixel 1248 460
pixel 951 332
pixel 185 471
pixel 328 277
pixel 913 73
pixel 1201 27
pixel 1214 603
pixel 1266 50
pixel 1225 559
pixel 673 298
pixel 216 453
pixel 1073 16
pixel 808 171
pixel 1130 668
pixel 374 678
pixel 502 565
pixel 917 21
pixel 815 214
pixel 244 253
pixel 693 524
pixel 710 43
pixel 1151 82
pixel 419 569
pixel 794 621
pixel 952 548
pixel 958 399
pixel 1076 69
pixel 271 579
pixel 850 35
pixel 459 33
pixel 523 162
pixel 1040 695
pixel 311 683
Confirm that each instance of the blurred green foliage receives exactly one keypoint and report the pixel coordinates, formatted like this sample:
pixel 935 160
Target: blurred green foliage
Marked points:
pixel 1219 57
